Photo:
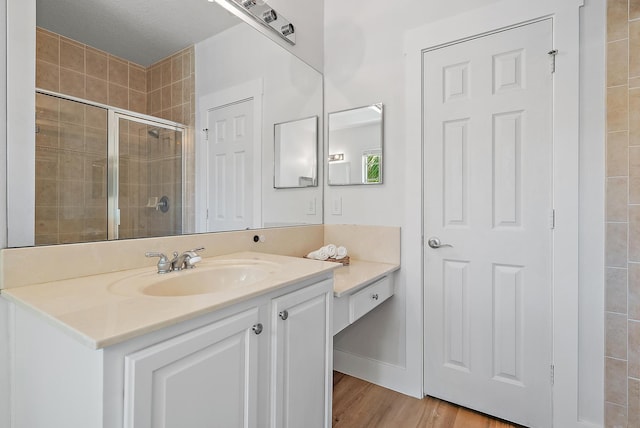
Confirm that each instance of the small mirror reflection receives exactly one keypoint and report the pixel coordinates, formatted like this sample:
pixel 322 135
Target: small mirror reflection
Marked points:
pixel 296 148
pixel 355 146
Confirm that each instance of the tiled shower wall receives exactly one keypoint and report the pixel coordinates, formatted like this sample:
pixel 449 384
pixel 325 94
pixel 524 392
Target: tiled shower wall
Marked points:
pixel 622 317
pixel 165 89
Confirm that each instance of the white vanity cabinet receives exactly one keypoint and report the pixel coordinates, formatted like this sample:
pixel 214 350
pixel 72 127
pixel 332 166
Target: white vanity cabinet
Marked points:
pixel 203 378
pixel 301 356
pixel 238 366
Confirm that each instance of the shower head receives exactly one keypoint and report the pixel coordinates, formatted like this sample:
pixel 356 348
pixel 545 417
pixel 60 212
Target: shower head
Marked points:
pixel 154 132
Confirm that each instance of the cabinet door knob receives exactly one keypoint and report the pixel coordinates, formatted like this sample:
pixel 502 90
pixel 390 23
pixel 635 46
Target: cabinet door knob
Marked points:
pixel 374 296
pixel 283 315
pixel 257 328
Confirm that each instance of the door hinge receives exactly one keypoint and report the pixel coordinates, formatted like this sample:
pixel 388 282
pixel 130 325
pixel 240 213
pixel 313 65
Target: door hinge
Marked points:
pixel 552 219
pixel 206 134
pixel 552 57
pixel 552 374
pixel 207 215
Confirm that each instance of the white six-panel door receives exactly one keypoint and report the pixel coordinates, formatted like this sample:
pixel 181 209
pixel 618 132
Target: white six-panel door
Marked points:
pixel 488 193
pixel 230 167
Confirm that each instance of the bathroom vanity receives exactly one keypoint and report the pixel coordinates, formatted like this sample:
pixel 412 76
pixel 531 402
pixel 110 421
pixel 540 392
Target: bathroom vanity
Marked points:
pixel 88 354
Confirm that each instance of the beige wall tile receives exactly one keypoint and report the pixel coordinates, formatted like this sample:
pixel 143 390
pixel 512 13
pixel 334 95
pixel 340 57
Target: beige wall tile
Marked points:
pixel 617 200
pixel 118 72
pixel 118 96
pixel 634 82
pixel 47 47
pixel 176 68
pixel 138 101
pixel 71 55
pixel 615 390
pixel 615 416
pixel 137 78
pixel 47 76
pixel 616 290
pixel 617 109
pixel 634 190
pixel 634 11
pixel 166 99
pixel 165 66
pixel 616 244
pixel 618 63
pixel 634 55
pixel 156 102
pixel 617 17
pixel 617 154
pixel 634 403
pixel 634 233
pixel 72 83
pixel 634 349
pixel 616 335
pixel 156 78
pixel 97 90
pixel 176 94
pixel 97 63
pixel 634 161
pixel 634 117
pixel 634 291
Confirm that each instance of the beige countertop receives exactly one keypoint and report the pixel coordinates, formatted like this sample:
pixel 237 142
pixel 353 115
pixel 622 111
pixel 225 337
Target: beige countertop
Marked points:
pixel 97 313
pixel 349 279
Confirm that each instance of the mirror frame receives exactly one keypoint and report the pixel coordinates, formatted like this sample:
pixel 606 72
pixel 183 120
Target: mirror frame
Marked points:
pixel 379 105
pixel 316 152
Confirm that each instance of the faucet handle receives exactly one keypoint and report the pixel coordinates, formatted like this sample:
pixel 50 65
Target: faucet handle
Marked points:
pixel 164 265
pixel 196 250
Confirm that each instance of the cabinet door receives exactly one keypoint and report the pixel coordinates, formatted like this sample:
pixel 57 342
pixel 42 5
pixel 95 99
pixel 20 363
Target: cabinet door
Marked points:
pixel 204 378
pixel 301 362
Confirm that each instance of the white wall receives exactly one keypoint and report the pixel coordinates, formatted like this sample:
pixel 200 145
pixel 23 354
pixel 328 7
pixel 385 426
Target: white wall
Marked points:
pixel 364 64
pixel 292 90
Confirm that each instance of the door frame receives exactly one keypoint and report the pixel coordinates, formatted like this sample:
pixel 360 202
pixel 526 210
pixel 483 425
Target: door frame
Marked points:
pixel 249 90
pixel 565 170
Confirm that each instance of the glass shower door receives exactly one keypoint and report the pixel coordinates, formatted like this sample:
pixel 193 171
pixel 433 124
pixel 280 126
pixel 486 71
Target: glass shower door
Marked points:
pixel 147 187
pixel 71 171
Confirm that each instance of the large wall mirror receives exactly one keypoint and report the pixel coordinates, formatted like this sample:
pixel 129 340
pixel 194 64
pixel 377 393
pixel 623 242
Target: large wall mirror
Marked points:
pixel 152 119
pixel 355 146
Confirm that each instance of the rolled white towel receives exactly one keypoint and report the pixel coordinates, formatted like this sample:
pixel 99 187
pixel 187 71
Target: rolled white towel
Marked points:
pixel 330 249
pixel 320 254
pixel 341 253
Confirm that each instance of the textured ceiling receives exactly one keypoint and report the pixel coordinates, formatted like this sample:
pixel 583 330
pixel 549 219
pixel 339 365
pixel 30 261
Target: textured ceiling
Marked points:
pixel 141 31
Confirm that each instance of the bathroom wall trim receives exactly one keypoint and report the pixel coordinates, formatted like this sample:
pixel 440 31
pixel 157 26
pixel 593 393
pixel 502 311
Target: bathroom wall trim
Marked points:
pixel 566 23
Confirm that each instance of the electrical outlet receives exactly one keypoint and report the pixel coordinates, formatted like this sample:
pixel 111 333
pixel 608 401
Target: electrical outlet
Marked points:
pixel 336 205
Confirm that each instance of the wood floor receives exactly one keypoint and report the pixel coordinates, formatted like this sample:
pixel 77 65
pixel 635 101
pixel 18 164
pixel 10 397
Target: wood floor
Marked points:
pixel 357 403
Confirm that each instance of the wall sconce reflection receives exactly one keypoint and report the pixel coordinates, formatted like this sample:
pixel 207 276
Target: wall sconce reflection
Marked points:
pixel 336 157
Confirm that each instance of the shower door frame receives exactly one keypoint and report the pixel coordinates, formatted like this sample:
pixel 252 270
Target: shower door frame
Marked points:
pixel 113 152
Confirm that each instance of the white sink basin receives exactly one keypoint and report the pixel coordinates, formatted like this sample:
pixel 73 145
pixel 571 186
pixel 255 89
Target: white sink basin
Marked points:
pixel 208 277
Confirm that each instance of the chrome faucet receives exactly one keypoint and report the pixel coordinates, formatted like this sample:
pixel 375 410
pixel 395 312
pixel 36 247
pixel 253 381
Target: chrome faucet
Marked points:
pixel 186 260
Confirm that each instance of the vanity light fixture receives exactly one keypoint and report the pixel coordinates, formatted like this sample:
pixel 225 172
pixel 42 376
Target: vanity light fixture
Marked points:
pixel 262 15
pixel 336 157
pixel 269 16
pixel 287 30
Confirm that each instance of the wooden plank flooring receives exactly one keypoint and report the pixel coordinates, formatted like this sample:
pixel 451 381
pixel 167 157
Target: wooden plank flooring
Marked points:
pixel 357 403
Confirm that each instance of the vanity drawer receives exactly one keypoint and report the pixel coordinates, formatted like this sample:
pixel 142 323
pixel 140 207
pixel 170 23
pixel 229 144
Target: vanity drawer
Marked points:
pixel 368 298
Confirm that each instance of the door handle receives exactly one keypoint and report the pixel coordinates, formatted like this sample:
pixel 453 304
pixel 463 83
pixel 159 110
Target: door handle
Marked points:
pixel 434 242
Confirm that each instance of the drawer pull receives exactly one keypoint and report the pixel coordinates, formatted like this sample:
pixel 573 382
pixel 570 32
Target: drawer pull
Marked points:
pixel 257 328
pixel 374 296
pixel 283 315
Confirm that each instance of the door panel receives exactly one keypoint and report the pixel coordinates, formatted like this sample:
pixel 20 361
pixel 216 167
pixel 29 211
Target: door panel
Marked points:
pixel 488 144
pixel 230 173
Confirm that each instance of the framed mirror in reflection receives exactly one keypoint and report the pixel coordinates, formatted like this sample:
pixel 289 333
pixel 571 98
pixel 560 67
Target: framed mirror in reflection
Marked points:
pixel 296 153
pixel 355 151
pixel 127 141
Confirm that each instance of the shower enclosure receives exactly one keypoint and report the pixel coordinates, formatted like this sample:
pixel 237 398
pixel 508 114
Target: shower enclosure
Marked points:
pixel 104 173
